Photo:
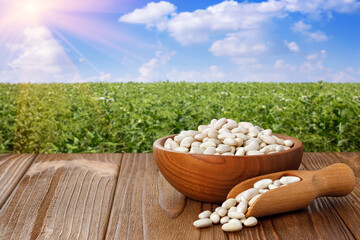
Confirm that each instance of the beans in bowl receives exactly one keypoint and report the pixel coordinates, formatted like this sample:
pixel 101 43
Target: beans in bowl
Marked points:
pixel 228 137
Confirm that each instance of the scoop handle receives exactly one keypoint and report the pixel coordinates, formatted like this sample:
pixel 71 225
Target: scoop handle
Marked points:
pixel 335 180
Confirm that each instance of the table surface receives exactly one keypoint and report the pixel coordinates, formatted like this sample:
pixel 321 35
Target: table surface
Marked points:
pixel 124 196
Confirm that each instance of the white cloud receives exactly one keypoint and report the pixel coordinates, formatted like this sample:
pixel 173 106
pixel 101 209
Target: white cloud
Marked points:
pixel 213 73
pixel 237 44
pixel 197 26
pixel 318 6
pixel 317 36
pixel 231 16
pixel 39 58
pixel 292 46
pixel 315 56
pixel 150 71
pixel 152 14
pixel 304 29
pixel 281 64
pixel 244 60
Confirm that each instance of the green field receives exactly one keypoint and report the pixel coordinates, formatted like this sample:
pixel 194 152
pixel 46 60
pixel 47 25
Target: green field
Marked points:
pixel 128 117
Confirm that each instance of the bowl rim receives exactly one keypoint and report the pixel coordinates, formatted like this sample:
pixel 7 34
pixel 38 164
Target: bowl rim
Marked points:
pixel 297 145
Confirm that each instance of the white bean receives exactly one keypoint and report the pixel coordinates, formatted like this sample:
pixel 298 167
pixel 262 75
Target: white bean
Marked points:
pixel 246 124
pixel 195 144
pixel 215 140
pixel 249 194
pixel 279 140
pixel 197 150
pixel 238 198
pixel 263 183
pixel 238 142
pixel 242 207
pixel 212 133
pixel 222 136
pixel 232 209
pixel 251 140
pixel 210 150
pixel 224 220
pixel 228 154
pixel 250 153
pixel 272 186
pixel 268 139
pixel 250 222
pixel 280 148
pixel 212 122
pixel 202 127
pixel 267 132
pixel 192 133
pixel 236 214
pixel 240 152
pixel 221 211
pixel 220 123
pixel 207 144
pixel 174 145
pixel 232 227
pixel 224 130
pixel 263 191
pixel 277 182
pixel 239 129
pixel 251 147
pixel 254 199
pixel 215 218
pixel 187 141
pixel 201 223
pixel 231 124
pixel 167 143
pixel 207 130
pixel 229 203
pixel 242 136
pixel 182 149
pixel 288 143
pixel 230 141
pixel 204 214
pixel 222 148
pixel 179 138
pixel 289 179
pixel 200 136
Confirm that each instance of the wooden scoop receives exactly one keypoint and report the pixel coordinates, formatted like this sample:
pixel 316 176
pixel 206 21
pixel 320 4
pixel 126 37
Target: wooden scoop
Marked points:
pixel 335 180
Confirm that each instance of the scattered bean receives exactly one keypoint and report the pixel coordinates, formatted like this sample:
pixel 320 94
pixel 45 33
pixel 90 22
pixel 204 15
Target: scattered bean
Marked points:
pixel 250 222
pixel 201 223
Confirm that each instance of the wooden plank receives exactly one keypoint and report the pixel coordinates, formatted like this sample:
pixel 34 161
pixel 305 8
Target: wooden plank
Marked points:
pixel 146 207
pixel 12 169
pixel 62 196
pixel 348 207
pixel 152 209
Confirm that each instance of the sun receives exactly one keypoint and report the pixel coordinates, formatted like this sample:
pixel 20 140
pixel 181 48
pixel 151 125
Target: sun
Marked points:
pixel 33 10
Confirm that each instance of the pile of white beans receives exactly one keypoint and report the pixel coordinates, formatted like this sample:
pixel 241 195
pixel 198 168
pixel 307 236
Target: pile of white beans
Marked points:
pixel 232 212
pixel 227 137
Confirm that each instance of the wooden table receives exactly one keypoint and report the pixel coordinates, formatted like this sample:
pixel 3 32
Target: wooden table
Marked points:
pixel 123 196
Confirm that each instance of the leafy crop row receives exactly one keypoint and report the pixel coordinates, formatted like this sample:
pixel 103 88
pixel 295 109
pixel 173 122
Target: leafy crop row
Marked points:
pixel 128 117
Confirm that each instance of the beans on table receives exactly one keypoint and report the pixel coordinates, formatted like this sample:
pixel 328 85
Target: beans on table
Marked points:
pixel 231 213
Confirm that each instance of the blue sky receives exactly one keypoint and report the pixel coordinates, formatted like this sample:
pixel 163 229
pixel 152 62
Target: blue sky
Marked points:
pixel 145 41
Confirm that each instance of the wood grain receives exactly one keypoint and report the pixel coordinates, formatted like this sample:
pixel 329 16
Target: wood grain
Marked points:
pixel 209 178
pixel 12 169
pixel 62 196
pixel 73 196
pixel 348 207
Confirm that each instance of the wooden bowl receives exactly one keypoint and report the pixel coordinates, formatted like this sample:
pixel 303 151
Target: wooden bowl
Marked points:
pixel 209 178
